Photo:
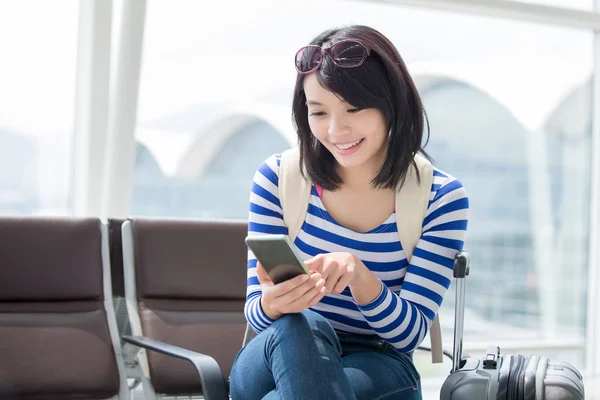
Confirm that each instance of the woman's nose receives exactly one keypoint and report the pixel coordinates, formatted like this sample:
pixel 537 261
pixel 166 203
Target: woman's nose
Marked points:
pixel 338 126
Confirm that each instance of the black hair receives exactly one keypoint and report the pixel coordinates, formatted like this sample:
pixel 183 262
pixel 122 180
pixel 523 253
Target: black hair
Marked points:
pixel 381 82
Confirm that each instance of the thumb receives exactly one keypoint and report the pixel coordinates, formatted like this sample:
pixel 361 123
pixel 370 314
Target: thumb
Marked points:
pixel 262 275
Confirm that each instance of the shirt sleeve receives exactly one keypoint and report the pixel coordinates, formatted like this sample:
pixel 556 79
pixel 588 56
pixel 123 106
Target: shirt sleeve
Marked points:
pixel 265 217
pixel 403 319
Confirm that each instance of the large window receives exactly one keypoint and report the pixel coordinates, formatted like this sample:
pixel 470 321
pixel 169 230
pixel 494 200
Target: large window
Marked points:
pixel 510 110
pixel 37 98
pixel 211 181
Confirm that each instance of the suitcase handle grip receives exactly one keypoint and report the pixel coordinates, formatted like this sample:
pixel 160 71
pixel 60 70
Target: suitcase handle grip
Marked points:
pixel 492 355
pixel 462 261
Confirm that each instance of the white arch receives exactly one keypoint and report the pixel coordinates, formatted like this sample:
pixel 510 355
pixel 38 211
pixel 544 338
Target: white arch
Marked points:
pixel 573 111
pixel 141 146
pixel 225 124
pixel 528 107
pixel 233 118
pixel 531 107
pixel 167 147
pixel 427 81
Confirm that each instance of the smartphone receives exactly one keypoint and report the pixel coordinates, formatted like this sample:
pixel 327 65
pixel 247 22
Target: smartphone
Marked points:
pixel 277 255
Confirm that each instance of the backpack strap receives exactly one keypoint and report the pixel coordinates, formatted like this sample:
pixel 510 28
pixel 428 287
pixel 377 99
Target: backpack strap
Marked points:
pixel 294 192
pixel 412 202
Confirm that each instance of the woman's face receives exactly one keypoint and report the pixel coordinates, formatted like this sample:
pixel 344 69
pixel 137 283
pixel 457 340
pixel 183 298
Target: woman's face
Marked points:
pixel 356 138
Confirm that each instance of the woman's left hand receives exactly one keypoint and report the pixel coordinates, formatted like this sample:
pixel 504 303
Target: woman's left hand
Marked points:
pixel 338 269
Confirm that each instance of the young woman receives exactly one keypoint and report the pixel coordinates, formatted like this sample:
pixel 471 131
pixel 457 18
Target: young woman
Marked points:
pixel 348 331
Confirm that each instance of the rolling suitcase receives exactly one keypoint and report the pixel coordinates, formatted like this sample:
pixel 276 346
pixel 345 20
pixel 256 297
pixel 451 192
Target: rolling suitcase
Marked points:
pixel 509 377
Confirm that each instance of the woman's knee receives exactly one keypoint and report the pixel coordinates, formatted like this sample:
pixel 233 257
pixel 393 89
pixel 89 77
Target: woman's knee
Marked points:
pixel 306 323
pixel 306 319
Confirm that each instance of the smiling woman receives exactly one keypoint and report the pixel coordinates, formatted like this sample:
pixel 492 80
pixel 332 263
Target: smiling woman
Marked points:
pixel 359 122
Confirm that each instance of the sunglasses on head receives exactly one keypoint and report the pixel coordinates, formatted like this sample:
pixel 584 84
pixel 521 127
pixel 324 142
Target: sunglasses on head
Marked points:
pixel 347 53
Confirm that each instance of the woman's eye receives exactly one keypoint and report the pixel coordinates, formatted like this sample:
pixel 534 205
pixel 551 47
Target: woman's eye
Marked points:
pixel 354 110
pixel 316 113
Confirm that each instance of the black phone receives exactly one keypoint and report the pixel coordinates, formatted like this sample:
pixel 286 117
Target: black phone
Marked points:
pixel 277 255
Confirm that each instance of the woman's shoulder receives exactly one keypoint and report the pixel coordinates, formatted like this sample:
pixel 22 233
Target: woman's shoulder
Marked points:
pixel 273 162
pixel 269 169
pixel 444 183
pixel 441 175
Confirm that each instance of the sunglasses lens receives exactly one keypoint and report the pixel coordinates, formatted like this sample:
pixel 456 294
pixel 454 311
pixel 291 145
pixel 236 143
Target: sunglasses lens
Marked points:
pixel 348 54
pixel 308 58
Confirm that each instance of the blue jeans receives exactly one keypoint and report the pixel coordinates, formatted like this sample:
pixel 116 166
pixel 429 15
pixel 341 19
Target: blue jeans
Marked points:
pixel 300 356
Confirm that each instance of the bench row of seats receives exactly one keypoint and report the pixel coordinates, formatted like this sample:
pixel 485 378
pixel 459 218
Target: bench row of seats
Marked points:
pixel 183 283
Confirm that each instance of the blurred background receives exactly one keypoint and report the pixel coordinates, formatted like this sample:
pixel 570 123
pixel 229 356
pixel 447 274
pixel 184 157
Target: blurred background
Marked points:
pixel 166 108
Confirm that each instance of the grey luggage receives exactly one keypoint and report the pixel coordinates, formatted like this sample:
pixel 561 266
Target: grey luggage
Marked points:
pixel 509 377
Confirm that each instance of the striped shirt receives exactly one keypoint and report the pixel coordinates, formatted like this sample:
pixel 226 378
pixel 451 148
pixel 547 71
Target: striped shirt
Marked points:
pixel 412 292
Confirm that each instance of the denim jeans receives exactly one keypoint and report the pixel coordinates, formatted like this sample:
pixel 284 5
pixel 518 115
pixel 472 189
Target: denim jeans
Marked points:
pixel 300 356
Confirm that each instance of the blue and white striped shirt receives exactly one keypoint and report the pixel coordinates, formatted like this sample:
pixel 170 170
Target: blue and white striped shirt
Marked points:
pixel 412 292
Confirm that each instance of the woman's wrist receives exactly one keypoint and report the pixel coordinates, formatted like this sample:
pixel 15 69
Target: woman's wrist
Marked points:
pixel 365 286
pixel 361 272
pixel 267 310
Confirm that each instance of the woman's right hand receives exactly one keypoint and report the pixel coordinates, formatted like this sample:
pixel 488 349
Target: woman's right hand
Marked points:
pixel 291 296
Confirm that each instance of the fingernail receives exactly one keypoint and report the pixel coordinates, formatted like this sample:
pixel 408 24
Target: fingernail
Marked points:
pixel 305 278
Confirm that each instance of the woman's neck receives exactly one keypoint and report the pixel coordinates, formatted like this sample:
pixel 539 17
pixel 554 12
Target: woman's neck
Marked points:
pixel 360 177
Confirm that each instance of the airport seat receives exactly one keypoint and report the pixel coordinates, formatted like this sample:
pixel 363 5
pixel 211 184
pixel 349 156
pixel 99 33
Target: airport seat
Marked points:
pixel 185 284
pixel 58 334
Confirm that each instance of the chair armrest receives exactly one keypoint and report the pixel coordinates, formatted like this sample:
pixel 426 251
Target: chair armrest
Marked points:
pixel 211 376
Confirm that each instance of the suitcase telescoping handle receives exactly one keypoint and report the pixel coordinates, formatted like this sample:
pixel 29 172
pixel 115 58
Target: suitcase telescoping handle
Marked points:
pixel 461 271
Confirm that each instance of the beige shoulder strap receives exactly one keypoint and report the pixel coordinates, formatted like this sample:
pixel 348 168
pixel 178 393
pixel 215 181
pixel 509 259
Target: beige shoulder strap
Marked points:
pixel 294 192
pixel 411 205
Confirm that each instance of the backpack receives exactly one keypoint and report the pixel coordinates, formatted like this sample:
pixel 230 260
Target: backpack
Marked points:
pixel 411 206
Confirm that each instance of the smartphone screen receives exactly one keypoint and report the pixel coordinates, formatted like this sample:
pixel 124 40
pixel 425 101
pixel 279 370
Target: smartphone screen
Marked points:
pixel 277 255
